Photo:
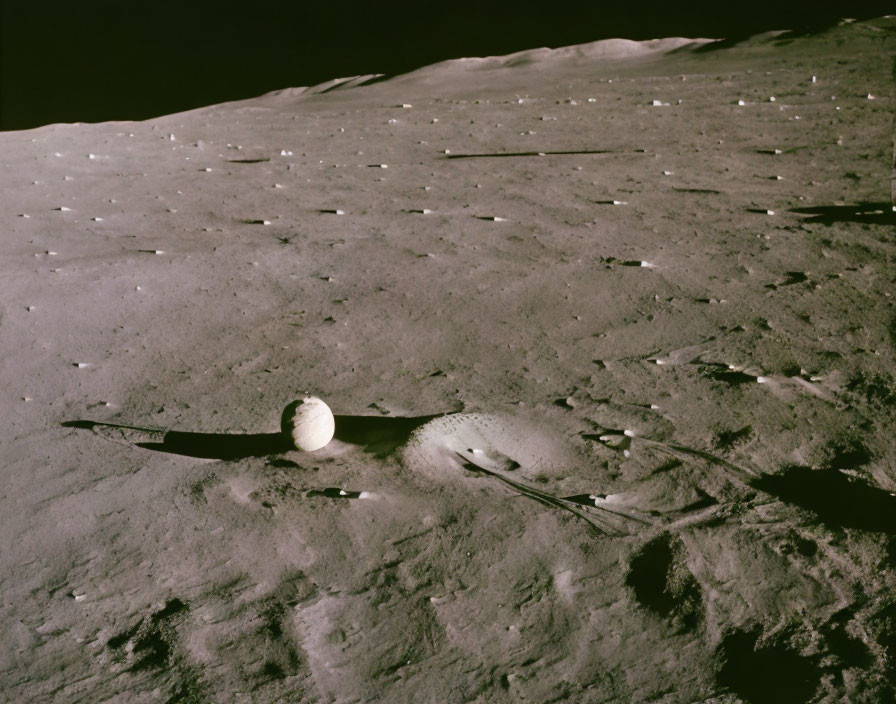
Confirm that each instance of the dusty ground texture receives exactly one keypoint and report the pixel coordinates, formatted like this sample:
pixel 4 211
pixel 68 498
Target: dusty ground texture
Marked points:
pixel 715 279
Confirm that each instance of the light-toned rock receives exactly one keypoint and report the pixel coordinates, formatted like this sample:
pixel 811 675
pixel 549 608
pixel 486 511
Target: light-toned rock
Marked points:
pixel 309 422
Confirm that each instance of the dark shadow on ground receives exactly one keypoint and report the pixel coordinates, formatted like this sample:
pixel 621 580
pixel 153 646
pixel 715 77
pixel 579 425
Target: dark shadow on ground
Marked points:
pixel 840 501
pixel 870 213
pixel 378 435
pixel 220 446
pixel 494 155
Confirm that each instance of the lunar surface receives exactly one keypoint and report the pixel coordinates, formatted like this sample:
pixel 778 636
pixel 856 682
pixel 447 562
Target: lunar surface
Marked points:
pixel 609 336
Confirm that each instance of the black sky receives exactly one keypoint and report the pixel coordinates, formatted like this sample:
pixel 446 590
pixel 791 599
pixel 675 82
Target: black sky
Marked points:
pixel 94 60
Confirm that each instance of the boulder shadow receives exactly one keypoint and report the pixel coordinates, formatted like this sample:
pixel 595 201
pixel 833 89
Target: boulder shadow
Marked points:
pixel 378 435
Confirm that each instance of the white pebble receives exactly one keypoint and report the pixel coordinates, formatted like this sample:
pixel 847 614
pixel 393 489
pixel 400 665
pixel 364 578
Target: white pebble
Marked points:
pixel 771 99
pixel 741 102
pixel 668 173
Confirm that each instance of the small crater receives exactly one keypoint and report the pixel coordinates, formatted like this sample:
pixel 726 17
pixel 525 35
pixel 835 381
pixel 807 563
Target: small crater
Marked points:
pixel 663 584
pixel 152 650
pixel 726 439
pixel 851 652
pixel 769 674
pixel 272 670
pixel 847 453
pixel 152 639
pixel 806 547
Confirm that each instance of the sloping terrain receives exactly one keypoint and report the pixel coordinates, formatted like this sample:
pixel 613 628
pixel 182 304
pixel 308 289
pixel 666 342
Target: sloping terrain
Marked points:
pixel 609 334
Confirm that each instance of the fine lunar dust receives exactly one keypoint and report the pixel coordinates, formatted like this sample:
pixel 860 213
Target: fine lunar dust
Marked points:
pixel 579 453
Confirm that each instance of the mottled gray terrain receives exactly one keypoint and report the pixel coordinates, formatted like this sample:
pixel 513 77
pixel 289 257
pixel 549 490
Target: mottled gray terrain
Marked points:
pixel 611 354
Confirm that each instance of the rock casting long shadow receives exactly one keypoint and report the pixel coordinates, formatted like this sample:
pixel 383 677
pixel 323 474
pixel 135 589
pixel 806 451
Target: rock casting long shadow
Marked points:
pixel 378 435
pixel 867 212
pixel 495 155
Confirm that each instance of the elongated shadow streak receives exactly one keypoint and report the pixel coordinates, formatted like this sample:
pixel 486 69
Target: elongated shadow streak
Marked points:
pixel 867 212
pixel 378 435
pixel 220 446
pixel 839 500
pixel 567 503
pixel 506 154
pixel 210 446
